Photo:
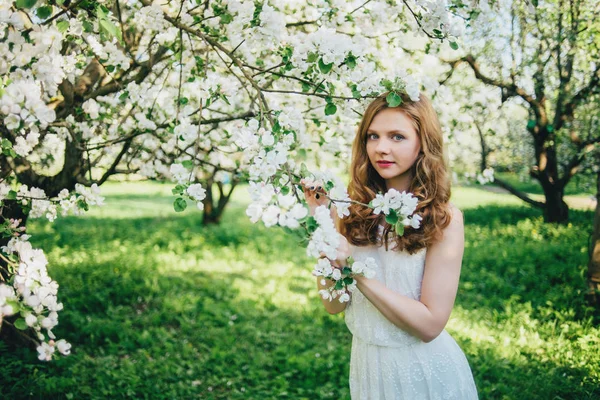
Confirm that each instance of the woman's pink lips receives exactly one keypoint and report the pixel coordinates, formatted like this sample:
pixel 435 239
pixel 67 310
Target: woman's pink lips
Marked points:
pixel 385 163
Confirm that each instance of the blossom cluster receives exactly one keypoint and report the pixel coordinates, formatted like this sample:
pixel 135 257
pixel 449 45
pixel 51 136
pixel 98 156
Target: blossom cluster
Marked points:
pixel 336 191
pixel 345 283
pixel 486 176
pixel 265 151
pixel 32 295
pixel 274 208
pixel 399 208
pixel 325 239
pixel 193 191
pixel 43 206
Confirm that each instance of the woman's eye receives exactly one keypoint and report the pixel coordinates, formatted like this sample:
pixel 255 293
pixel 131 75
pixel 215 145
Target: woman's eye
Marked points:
pixel 372 136
pixel 398 137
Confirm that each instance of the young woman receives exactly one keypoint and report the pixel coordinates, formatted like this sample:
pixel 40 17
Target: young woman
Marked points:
pixel 400 349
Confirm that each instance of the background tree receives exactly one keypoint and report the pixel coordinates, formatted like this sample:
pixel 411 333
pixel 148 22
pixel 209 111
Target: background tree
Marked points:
pixel 543 56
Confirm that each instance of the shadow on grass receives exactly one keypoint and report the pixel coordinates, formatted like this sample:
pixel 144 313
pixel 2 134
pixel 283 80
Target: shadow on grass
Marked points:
pixel 511 254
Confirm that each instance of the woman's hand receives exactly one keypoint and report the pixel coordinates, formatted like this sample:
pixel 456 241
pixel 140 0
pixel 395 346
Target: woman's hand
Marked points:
pixel 343 252
pixel 314 195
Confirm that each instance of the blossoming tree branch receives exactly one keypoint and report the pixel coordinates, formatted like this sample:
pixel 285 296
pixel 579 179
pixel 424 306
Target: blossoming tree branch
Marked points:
pixel 200 92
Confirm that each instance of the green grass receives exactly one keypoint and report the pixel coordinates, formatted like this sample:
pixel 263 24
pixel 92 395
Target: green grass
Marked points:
pixel 159 307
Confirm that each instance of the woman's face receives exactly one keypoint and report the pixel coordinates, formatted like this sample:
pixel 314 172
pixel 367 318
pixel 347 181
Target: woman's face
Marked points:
pixel 393 146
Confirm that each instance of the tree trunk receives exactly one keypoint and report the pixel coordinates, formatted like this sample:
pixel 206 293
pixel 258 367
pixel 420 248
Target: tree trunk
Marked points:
pixel 555 210
pixel 594 262
pixel 209 207
pixel 213 212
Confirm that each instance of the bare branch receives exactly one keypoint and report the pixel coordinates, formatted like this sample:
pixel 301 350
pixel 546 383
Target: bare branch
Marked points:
pixel 521 195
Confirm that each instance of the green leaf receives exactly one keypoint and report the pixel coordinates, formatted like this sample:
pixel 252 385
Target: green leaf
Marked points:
pixel 44 12
pixel 81 203
pixel 393 99
pixel 312 57
pixel 531 124
pixel 392 217
pixel 330 109
pixel 355 93
pixel 387 84
pixel 276 127
pixel 304 170
pixel 311 224
pixel 305 87
pixel 454 45
pixel 124 95
pixel 399 228
pixel 25 3
pixel 350 260
pixel 302 154
pixel 256 17
pixel 183 100
pixel 87 26
pixel 329 185
pixel 325 68
pixel 20 324
pixel 62 26
pixel 339 285
pixel 12 195
pixel 348 280
pixel 189 164
pixel 285 190
pixel 179 204
pixel 111 29
pixel 179 189
pixel 226 18
pixel 351 61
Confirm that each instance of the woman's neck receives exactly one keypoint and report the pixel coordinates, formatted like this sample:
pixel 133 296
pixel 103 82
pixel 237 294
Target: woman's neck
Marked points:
pixel 401 183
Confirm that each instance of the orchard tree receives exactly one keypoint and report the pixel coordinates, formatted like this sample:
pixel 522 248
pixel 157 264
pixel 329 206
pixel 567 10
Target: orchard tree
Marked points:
pixel 589 121
pixel 200 92
pixel 542 54
pixel 593 274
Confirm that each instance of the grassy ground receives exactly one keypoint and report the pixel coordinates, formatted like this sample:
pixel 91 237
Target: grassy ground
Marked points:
pixel 158 306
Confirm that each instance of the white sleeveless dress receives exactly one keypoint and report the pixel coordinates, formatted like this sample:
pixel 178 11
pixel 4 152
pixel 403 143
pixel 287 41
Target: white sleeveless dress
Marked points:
pixel 388 363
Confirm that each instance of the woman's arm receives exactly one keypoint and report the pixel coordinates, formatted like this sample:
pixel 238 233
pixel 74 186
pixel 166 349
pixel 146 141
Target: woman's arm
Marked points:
pixel 426 318
pixel 311 191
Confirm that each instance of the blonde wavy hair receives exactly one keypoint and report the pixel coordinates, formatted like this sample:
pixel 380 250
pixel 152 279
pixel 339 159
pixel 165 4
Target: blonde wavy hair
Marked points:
pixel 430 183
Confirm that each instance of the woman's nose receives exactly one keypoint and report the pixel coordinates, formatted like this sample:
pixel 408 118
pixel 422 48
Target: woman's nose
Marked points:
pixel 382 146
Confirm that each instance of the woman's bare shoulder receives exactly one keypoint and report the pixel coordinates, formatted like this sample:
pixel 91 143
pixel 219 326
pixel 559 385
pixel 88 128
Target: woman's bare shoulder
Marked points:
pixel 456 216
